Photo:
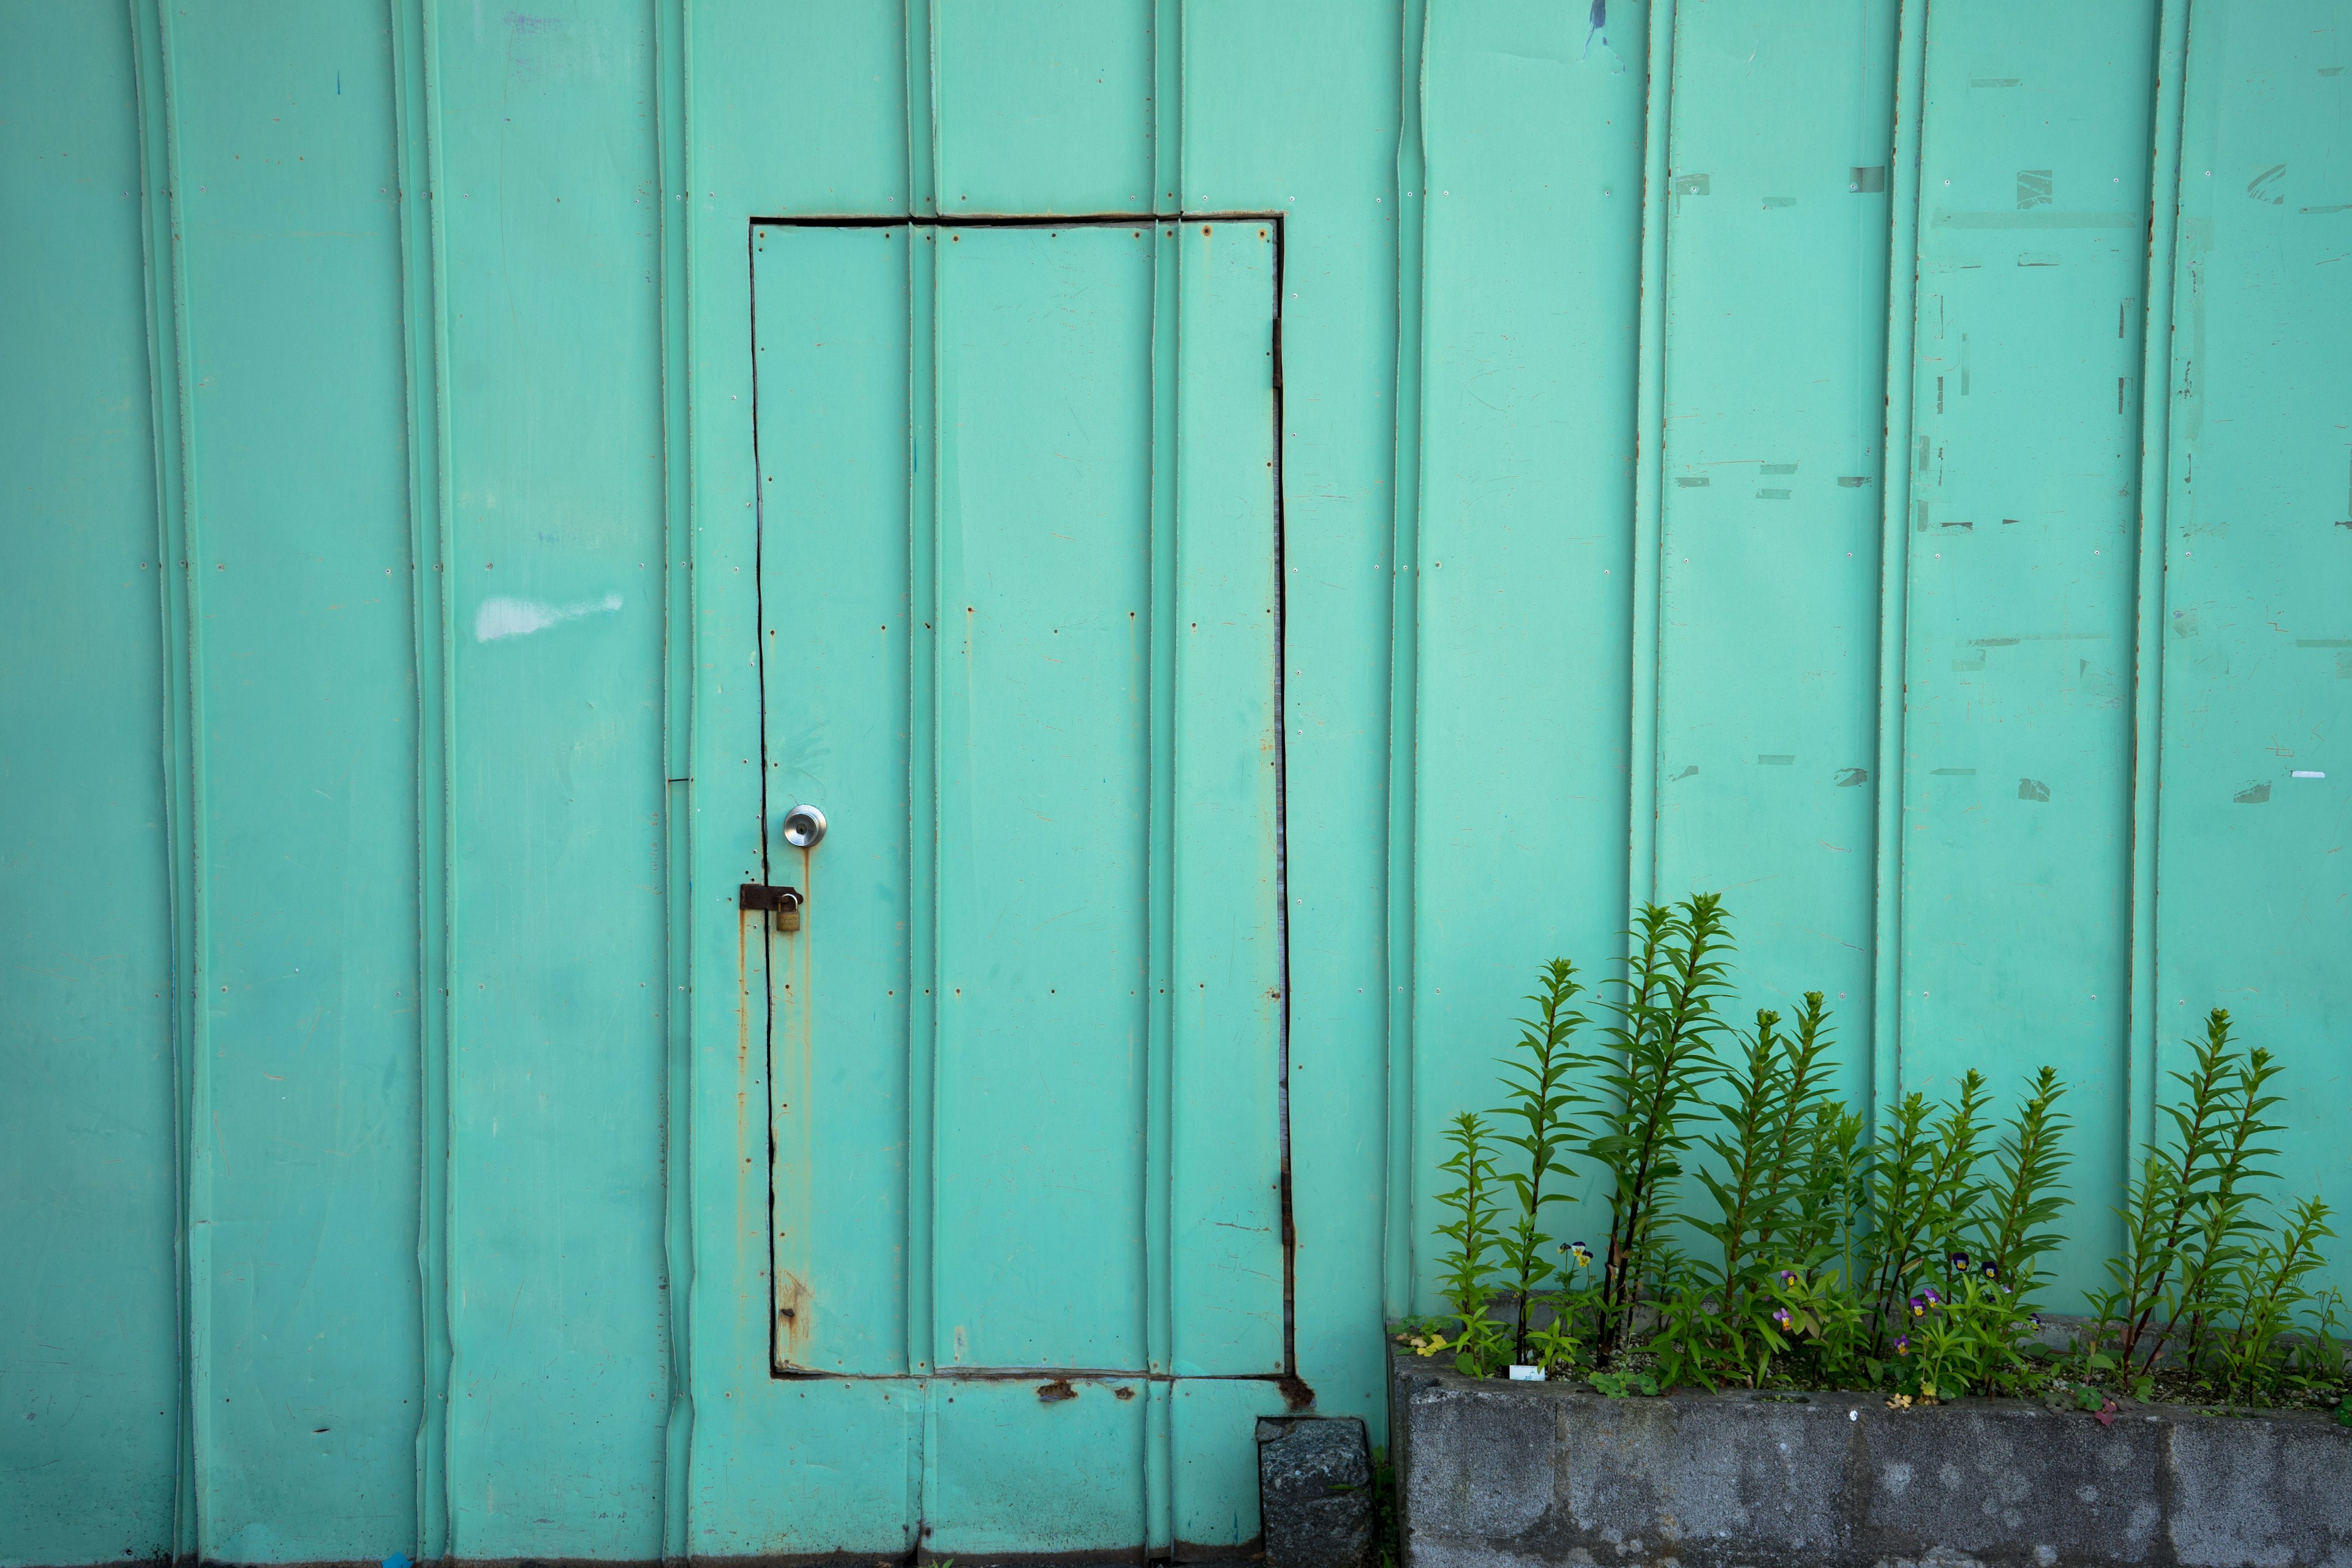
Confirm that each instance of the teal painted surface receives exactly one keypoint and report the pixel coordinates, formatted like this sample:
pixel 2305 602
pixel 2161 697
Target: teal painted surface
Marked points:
pixel 2257 689
pixel 89 1372
pixel 302 1156
pixel 387 1098
pixel 1530 278
pixel 2016 742
pixel 547 188
pixel 1769 484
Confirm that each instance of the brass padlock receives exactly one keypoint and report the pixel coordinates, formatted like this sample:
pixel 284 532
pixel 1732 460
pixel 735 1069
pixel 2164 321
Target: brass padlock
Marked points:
pixel 784 903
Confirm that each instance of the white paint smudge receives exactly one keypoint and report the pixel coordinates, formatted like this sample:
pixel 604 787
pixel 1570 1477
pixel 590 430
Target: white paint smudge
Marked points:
pixel 504 618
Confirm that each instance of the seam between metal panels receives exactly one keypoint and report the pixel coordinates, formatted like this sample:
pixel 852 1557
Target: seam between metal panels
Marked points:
pixel 435 182
pixel 1168 107
pixel 924 572
pixel 921 1013
pixel 1648 661
pixel 1159 1032
pixel 1295 1392
pixel 1409 187
pixel 922 793
pixel 1282 843
pixel 424 333
pixel 1012 220
pixel 2141 1050
pixel 167 384
pixel 1893 557
pixel 760 667
pixel 921 46
pixel 673 86
pixel 1159 841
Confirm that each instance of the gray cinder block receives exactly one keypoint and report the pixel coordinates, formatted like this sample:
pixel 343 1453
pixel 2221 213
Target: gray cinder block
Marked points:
pixel 1315 1491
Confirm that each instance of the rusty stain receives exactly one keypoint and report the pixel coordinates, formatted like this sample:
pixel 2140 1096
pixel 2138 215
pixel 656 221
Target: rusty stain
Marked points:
pixel 792 1196
pixel 792 1315
pixel 743 996
pixel 747 1208
pixel 1053 1393
pixel 1123 1392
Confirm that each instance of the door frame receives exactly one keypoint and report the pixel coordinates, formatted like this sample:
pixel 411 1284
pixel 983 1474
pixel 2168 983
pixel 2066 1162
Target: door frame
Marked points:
pixel 1295 1393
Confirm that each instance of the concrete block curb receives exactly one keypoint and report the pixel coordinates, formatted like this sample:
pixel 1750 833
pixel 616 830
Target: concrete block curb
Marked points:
pixel 1507 1474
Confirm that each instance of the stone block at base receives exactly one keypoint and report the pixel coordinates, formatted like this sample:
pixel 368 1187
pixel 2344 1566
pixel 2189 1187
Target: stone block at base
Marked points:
pixel 1315 1491
pixel 1492 1474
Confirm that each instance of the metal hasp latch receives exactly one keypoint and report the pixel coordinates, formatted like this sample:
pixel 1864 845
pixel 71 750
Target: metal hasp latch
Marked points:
pixel 784 901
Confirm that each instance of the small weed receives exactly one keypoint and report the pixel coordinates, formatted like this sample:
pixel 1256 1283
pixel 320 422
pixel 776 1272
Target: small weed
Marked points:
pixel 1624 1384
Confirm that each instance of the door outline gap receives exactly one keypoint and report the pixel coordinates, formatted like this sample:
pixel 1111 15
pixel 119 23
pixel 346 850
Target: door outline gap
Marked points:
pixel 1025 220
pixel 1296 1393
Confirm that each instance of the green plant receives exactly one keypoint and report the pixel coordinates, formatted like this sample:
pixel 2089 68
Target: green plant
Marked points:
pixel 1833 1205
pixel 1659 1061
pixel 2011 1233
pixel 1542 1102
pixel 1968 1336
pixel 1479 1344
pixel 1622 1384
pixel 2166 1223
pixel 1909 1260
pixel 1554 1345
pixel 2315 1359
pixel 2270 1285
pixel 1778 1090
pixel 2228 1226
pixel 1923 1191
pixel 1387 1541
pixel 1819 1318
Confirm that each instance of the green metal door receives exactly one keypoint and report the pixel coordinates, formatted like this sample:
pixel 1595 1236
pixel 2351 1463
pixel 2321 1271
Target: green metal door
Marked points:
pixel 1020 622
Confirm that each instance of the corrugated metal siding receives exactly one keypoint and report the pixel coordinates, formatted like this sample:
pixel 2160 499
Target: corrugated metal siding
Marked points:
pixel 368 970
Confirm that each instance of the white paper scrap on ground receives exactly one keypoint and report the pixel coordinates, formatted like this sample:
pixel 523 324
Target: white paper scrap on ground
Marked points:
pixel 1527 1374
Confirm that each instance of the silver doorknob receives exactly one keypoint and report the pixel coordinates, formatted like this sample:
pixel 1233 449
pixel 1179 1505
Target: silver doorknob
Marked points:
pixel 804 825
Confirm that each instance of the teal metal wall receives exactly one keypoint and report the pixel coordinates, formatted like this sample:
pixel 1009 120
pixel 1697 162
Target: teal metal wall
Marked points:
pixel 381 1142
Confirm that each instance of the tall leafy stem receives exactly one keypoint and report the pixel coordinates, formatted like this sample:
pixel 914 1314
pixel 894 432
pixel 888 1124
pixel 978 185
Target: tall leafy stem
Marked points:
pixel 1835 1199
pixel 2269 1286
pixel 2227 1228
pixel 1541 1102
pixel 1464 1267
pixel 1924 1189
pixel 1660 1058
pixel 2162 1204
pixel 1779 1085
pixel 2011 1235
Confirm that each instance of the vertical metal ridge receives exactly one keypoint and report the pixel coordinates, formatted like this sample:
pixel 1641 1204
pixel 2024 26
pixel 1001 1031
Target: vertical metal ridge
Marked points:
pixel 1159 859
pixel 1282 839
pixel 1893 558
pixel 922 116
pixel 422 329
pixel 767 993
pixel 1167 106
pixel 170 429
pixel 1172 55
pixel 673 85
pixel 1649 469
pixel 445 590
pixel 924 657
pixel 2141 1046
pixel 1411 205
